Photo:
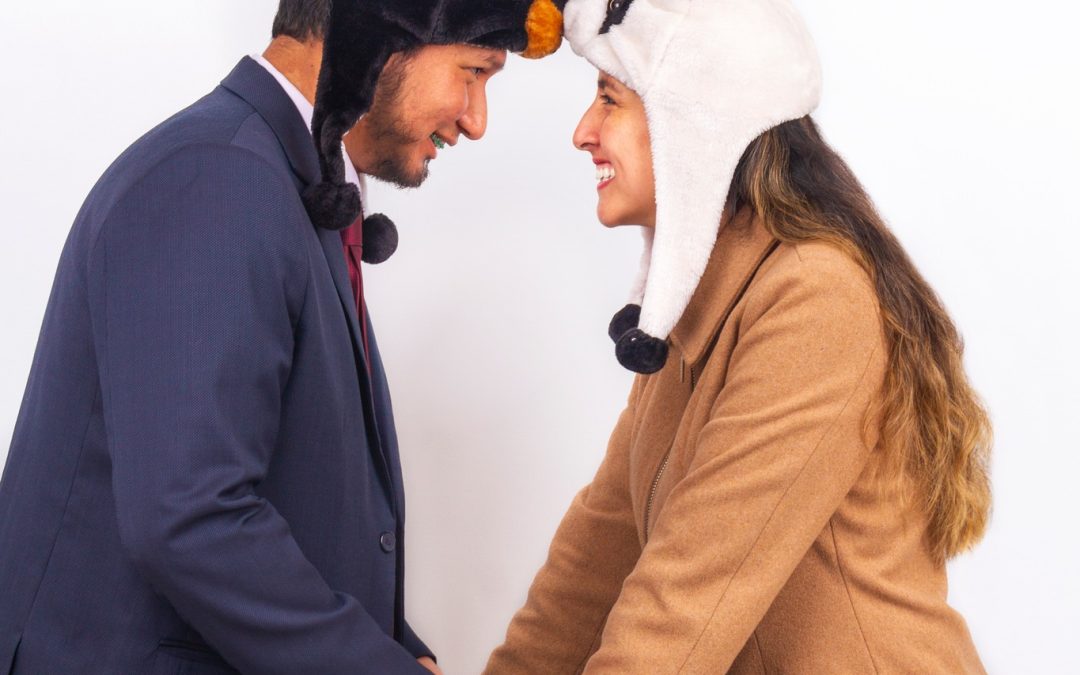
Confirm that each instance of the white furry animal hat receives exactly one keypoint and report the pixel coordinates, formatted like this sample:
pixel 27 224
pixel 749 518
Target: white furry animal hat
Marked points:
pixel 713 75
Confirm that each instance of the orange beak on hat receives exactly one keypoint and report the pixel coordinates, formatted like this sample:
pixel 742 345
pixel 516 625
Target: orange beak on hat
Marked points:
pixel 544 26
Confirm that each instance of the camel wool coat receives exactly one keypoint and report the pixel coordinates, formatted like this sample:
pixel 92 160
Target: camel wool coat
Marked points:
pixel 735 524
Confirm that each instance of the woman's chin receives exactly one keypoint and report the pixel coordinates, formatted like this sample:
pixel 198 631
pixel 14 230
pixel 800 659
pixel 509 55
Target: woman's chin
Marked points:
pixel 610 218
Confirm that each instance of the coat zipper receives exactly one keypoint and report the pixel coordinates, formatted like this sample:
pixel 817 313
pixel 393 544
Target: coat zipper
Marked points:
pixel 667 456
pixel 693 379
pixel 652 492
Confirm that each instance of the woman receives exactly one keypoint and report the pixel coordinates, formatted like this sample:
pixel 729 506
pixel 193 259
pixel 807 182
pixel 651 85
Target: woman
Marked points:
pixel 802 451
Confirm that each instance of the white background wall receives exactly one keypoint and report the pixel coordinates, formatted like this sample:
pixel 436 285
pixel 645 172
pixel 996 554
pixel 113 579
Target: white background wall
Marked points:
pixel 959 117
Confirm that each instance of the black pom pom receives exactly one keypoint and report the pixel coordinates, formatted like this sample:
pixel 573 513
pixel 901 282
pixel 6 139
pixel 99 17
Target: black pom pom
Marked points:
pixel 640 352
pixel 380 239
pixel 332 207
pixel 625 319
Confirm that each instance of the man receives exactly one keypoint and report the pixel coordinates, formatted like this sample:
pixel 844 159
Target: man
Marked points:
pixel 204 475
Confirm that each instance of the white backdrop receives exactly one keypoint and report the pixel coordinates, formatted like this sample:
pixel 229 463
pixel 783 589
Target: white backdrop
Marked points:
pixel 958 116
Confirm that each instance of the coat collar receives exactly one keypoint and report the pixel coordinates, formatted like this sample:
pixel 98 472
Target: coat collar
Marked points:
pixel 741 247
pixel 254 84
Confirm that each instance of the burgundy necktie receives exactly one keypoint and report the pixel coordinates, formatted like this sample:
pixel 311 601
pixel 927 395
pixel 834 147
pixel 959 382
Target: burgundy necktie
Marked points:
pixel 352 238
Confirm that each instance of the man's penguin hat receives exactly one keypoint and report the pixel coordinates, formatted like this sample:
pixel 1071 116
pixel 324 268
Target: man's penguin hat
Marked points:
pixel 713 75
pixel 361 37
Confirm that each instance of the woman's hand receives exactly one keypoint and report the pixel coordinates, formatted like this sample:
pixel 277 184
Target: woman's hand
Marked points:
pixel 426 662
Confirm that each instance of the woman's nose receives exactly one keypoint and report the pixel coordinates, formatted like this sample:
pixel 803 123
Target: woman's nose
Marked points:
pixel 587 134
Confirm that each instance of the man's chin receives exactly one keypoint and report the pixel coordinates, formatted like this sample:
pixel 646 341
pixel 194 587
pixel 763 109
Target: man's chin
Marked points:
pixel 400 175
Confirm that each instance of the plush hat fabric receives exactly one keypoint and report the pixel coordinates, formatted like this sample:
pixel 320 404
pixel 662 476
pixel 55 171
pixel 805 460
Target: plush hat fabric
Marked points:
pixel 361 37
pixel 713 75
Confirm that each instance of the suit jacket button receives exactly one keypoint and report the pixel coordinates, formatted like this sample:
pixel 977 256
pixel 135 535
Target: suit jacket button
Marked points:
pixel 388 542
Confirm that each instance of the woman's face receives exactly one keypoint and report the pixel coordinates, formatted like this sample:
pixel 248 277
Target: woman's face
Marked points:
pixel 615 132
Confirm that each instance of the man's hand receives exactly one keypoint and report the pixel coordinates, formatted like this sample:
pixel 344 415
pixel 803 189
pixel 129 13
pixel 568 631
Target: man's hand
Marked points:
pixel 426 662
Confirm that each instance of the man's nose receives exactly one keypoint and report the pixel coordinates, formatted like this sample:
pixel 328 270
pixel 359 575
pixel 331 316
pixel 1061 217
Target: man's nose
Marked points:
pixel 473 123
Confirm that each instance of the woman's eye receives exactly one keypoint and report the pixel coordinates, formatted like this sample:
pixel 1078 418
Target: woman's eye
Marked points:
pixel 606 100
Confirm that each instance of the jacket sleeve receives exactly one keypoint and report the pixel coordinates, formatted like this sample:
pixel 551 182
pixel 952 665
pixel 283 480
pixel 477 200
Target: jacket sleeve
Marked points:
pixel 593 550
pixel 197 279
pixel 414 645
pixel 785 442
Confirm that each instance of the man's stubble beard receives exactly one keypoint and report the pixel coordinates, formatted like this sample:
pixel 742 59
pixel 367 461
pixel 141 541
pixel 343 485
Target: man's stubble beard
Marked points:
pixel 390 138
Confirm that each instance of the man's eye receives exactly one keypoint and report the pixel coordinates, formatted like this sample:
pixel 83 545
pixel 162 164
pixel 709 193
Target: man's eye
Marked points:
pixel 477 72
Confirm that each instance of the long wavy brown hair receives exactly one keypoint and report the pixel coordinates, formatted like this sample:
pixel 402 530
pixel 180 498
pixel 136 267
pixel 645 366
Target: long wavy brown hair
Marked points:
pixel 934 430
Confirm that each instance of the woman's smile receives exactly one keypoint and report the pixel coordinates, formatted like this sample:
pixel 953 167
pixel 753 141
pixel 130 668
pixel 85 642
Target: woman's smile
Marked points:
pixel 605 173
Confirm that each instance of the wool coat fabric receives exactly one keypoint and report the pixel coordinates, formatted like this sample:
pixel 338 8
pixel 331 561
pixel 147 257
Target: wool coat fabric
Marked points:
pixel 736 524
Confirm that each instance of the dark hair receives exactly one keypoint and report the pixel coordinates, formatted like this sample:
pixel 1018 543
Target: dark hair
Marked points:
pixel 302 19
pixel 934 430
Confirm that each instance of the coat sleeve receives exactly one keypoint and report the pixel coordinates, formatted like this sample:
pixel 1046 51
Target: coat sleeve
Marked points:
pixel 593 550
pixel 785 442
pixel 197 279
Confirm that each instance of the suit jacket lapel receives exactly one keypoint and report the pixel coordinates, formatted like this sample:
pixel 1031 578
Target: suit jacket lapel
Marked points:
pixel 335 258
pixel 251 82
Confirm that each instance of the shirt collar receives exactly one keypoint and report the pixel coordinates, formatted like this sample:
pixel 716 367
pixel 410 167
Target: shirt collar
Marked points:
pixel 307 111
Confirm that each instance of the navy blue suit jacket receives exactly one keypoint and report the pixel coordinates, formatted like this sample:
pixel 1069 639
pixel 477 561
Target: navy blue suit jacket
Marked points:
pixel 203 477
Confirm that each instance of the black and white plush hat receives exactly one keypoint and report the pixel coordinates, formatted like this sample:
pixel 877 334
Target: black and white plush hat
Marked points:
pixel 713 75
pixel 361 37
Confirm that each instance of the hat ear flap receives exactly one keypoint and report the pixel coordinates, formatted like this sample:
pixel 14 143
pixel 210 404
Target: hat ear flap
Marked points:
pixel 689 207
pixel 357 47
pixel 333 203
